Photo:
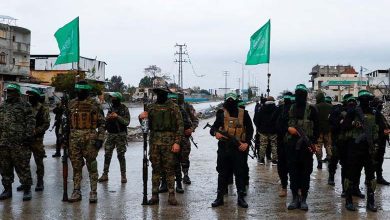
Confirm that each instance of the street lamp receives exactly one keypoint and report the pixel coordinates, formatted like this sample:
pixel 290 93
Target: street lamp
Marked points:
pixel 242 72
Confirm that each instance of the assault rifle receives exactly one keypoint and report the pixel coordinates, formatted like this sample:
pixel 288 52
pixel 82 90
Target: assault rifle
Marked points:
pixel 304 141
pixel 367 131
pixel 145 164
pixel 65 134
pixel 232 139
pixel 192 140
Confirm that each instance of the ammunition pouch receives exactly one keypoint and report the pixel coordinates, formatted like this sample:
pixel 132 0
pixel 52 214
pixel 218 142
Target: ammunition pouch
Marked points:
pixel 84 116
pixel 234 126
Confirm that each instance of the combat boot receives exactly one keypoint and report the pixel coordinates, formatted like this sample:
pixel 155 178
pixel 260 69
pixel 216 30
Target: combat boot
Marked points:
pixel 371 202
pixel 179 187
pixel 27 193
pixel 172 199
pixel 303 204
pixel 7 193
pixel 331 179
pixel 356 192
pixel 93 197
pixel 349 202
pixel 76 196
pixel 19 188
pixel 123 177
pixel 103 178
pixel 163 187
pixel 241 201
pixel 219 200
pixel 319 164
pixel 186 179
pixel 57 154
pixel 282 192
pixel 154 200
pixel 40 186
pixel 381 180
pixel 294 204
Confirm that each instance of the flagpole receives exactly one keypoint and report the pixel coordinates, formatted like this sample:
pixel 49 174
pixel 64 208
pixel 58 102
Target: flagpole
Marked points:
pixel 269 76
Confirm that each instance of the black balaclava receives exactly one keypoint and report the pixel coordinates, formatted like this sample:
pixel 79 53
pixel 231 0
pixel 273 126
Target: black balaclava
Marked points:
pixel 162 96
pixel 116 102
pixel 379 107
pixel 33 100
pixel 82 94
pixel 180 99
pixel 12 95
pixel 364 102
pixel 230 105
pixel 300 97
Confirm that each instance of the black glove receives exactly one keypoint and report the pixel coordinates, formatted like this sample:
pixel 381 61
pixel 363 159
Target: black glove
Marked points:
pixel 98 144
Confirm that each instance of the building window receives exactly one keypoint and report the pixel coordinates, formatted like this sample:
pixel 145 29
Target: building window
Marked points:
pixel 3 34
pixel 13 38
pixel 13 61
pixel 3 58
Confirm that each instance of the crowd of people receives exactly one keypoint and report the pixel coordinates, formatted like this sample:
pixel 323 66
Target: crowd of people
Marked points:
pixel 354 134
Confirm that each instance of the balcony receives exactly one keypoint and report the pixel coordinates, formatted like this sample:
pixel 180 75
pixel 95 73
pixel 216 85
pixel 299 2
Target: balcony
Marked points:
pixel 22 48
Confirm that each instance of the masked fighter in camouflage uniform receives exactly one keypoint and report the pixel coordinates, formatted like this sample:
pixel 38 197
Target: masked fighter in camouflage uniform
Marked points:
pixel 42 118
pixel 186 148
pixel 86 138
pixel 117 120
pixel 361 123
pixel 17 124
pixel 166 130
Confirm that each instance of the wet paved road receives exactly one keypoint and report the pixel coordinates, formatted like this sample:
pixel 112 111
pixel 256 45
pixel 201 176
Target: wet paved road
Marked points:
pixel 122 201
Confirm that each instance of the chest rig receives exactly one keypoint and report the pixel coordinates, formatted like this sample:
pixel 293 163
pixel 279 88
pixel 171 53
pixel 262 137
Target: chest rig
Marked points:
pixel 234 126
pixel 83 115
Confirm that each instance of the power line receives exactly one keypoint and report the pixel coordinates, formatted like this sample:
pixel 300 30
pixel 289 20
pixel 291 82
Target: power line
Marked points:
pixel 189 61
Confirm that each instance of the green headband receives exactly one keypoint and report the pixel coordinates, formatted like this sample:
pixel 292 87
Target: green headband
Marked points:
pixel 242 103
pixel 301 87
pixel 287 97
pixel 34 91
pixel 82 86
pixel 173 96
pixel 13 86
pixel 364 93
pixel 117 95
pixel 231 95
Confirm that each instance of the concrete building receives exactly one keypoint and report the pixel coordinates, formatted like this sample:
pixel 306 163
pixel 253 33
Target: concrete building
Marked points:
pixel 42 68
pixel 336 81
pixel 379 81
pixel 14 51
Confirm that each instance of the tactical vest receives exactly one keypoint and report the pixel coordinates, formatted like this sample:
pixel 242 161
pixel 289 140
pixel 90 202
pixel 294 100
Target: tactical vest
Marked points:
pixel 306 124
pixel 83 115
pixel 113 126
pixel 234 126
pixel 163 118
pixel 371 120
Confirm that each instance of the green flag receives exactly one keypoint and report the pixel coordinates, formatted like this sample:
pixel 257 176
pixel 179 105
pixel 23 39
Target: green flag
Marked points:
pixel 260 46
pixel 68 42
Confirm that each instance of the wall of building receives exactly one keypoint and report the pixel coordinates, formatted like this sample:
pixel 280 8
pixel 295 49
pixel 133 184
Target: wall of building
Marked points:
pixel 14 50
pixel 94 69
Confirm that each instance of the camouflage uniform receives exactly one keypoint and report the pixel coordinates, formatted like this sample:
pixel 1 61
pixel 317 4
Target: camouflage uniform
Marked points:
pixel 17 125
pixel 166 129
pixel 42 117
pixel 185 149
pixel 87 127
pixel 117 137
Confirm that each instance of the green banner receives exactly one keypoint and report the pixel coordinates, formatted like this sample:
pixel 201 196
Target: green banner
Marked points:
pixel 260 46
pixel 68 40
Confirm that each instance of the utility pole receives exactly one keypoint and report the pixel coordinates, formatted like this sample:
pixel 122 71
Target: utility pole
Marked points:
pixel 180 61
pixel 239 84
pixel 226 74
pixel 242 73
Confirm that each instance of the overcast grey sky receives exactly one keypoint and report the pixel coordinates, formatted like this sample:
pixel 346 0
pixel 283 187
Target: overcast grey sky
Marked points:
pixel 130 35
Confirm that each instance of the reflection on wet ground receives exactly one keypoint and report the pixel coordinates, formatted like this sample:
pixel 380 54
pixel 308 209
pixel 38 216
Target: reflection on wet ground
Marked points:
pixel 123 201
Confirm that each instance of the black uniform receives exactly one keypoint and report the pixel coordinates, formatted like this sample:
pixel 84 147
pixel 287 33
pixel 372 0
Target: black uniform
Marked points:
pixel 281 127
pixel 383 125
pixel 229 157
pixel 300 161
pixel 58 111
